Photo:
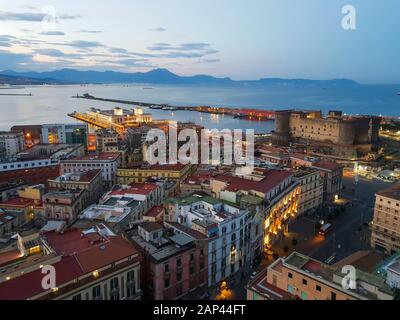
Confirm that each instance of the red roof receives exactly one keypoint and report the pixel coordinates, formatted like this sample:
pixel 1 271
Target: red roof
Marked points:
pixel 155 211
pixel 92 250
pixel 327 165
pixel 31 176
pixel 30 284
pixel 136 188
pixel 81 254
pixel 17 202
pixel 272 179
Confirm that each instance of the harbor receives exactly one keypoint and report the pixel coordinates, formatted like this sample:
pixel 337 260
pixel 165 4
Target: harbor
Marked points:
pixel 240 113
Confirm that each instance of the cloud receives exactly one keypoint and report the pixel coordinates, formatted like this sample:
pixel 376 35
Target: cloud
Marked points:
pixel 84 44
pixel 183 47
pixel 6 40
pixel 159 29
pixel 52 33
pixel 15 61
pixel 118 50
pixel 90 31
pixel 31 16
pixel 50 52
pixel 129 63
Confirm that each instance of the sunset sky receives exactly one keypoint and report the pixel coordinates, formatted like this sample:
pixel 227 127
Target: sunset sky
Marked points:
pixel 225 38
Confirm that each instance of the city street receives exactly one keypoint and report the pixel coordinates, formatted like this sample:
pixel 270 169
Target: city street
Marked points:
pixel 350 230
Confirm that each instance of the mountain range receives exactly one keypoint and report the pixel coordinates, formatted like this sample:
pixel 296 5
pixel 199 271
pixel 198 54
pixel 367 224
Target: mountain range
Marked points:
pixel 156 76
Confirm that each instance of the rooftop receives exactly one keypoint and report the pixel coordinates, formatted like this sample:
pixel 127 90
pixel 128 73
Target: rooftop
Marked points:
pixel 151 226
pixel 189 200
pixel 154 211
pixel 135 188
pixel 327 165
pixel 271 178
pixel 104 156
pixel 86 176
pixel 393 192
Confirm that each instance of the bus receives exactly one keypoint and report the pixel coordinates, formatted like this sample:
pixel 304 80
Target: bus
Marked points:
pixel 325 229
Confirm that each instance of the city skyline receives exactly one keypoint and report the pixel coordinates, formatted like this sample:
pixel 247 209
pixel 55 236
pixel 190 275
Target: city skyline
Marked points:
pixel 226 39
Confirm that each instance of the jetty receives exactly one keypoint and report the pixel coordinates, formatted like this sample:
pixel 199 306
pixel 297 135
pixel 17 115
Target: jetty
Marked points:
pixel 239 113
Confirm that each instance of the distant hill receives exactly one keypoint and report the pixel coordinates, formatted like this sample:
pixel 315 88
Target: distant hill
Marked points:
pixel 24 80
pixel 164 76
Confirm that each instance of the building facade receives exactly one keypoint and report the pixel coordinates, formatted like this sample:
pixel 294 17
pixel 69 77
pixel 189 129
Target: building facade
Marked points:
pixel 64 205
pixel 11 144
pixel 64 133
pixel 107 162
pixel 385 226
pixel 300 277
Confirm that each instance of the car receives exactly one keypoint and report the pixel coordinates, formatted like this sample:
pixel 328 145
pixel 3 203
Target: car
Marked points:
pixel 253 275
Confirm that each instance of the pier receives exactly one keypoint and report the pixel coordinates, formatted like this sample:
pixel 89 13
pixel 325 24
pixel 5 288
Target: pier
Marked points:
pixel 240 113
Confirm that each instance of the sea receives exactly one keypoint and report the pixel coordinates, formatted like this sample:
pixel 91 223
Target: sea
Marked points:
pixel 51 104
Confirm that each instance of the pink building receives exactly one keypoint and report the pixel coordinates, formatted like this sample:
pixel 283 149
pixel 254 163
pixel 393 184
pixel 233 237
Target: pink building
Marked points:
pixel 175 264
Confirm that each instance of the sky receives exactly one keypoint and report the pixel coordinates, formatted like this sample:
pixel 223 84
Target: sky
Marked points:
pixel 240 39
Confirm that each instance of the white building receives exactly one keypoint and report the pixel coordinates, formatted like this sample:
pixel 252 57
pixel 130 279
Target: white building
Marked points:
pixel 108 162
pixel 224 224
pixel 393 275
pixel 11 144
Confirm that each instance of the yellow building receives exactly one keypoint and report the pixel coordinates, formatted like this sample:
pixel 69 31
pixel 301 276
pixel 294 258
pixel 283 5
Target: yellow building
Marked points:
pixel 301 277
pixel 141 174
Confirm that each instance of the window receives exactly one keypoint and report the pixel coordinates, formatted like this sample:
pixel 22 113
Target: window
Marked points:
pixel 77 297
pixel 130 287
pixel 166 283
pixel 318 288
pixel 290 289
pixel 166 267
pixel 179 262
pixel 114 294
pixel 305 282
pixel 192 257
pixel 96 292
pixel 333 296
pixel 179 276
pixel 290 276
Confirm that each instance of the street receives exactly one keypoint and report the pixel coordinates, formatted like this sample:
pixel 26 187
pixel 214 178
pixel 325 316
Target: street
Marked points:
pixel 350 230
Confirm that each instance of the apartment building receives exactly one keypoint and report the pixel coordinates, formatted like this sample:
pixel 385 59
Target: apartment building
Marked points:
pixel 142 173
pixel 11 144
pixel 301 277
pixel 225 226
pixel 91 180
pixel 312 189
pixel 64 133
pixel 175 264
pixel 108 162
pixel 385 226
pixel 278 191
pixel 90 264
pixel 64 204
